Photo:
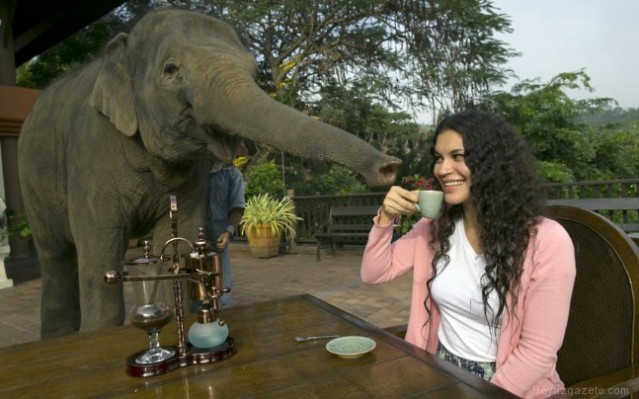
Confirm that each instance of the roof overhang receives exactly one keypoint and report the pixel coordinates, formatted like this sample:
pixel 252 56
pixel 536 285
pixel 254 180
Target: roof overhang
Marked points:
pixel 41 24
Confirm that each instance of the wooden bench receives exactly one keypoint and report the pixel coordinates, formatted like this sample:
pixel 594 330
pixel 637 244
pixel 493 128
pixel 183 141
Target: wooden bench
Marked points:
pixel 623 211
pixel 346 225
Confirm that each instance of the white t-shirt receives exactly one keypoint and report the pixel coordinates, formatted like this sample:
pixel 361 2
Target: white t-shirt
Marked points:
pixel 464 330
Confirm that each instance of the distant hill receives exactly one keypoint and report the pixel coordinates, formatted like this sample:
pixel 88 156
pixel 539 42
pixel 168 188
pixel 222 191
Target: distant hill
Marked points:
pixel 614 117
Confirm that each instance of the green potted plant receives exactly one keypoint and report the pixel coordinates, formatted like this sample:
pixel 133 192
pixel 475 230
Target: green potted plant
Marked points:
pixel 264 221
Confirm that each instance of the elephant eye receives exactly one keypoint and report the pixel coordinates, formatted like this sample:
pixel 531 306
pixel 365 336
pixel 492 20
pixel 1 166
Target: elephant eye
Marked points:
pixel 170 69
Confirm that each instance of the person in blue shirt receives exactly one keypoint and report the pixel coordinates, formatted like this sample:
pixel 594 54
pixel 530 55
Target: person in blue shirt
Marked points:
pixel 226 205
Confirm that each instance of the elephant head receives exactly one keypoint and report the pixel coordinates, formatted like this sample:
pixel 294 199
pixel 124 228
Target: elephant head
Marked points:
pixel 185 82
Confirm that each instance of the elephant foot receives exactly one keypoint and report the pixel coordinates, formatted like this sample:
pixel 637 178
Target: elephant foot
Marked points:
pixel 52 331
pixel 107 322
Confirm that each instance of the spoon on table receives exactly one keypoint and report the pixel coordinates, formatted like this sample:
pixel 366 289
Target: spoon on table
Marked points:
pixel 314 338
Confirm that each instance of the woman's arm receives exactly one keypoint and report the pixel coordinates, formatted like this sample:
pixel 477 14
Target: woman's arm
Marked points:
pixel 384 261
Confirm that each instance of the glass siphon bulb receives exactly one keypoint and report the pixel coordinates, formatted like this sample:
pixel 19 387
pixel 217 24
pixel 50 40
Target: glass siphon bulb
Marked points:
pixel 208 335
pixel 208 331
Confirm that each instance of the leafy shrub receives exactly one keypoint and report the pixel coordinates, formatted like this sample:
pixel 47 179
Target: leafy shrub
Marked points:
pixel 264 178
pixel 264 209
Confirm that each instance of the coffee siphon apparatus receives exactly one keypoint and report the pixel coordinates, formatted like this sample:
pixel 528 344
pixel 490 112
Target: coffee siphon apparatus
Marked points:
pixel 158 297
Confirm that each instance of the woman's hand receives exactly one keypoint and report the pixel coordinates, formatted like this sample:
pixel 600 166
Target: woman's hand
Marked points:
pixel 398 201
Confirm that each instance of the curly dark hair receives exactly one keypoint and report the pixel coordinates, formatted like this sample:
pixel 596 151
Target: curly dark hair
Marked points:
pixel 506 193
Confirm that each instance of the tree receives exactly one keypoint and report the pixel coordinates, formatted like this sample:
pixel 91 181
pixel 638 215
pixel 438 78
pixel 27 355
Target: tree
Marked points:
pixel 617 152
pixel 264 178
pixel 553 124
pixel 334 180
pixel 413 52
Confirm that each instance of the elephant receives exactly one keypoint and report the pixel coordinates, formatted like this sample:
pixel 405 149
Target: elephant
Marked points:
pixel 105 147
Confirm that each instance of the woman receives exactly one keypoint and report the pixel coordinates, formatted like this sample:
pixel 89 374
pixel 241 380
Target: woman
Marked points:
pixel 492 278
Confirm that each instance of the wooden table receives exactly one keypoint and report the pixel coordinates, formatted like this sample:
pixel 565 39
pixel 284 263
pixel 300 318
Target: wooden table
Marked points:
pixel 269 363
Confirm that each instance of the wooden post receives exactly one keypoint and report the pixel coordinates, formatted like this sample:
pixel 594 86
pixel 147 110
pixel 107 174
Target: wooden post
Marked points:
pixel 7 76
pixel 15 105
pixel 292 242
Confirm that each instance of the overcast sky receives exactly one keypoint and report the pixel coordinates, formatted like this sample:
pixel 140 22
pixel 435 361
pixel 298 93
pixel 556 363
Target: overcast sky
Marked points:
pixel 601 36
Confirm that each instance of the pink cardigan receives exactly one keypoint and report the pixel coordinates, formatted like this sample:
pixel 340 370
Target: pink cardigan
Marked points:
pixel 529 341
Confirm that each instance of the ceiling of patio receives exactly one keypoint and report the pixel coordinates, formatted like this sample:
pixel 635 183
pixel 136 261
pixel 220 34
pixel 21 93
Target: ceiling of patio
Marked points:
pixel 41 24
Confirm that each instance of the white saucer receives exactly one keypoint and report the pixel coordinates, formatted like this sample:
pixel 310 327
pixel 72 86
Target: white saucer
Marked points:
pixel 350 347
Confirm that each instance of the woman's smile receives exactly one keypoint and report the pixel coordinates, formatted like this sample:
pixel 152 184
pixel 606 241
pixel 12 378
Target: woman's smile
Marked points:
pixel 451 169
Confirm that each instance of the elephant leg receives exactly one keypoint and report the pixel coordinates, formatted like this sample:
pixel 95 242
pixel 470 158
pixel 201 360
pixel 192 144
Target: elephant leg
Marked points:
pixel 59 306
pixel 102 304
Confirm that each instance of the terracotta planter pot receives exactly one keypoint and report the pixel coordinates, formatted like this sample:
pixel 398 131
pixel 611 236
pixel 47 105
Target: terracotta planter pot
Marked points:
pixel 262 242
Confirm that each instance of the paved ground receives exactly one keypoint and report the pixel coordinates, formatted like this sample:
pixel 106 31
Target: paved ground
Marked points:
pixel 334 279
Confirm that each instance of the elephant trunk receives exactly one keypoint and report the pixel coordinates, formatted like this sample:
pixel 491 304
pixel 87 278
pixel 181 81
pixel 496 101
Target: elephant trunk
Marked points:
pixel 254 115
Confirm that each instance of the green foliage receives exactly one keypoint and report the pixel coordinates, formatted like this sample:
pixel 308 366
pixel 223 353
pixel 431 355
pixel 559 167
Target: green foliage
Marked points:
pixel 339 180
pixel 264 209
pixel 617 153
pixel 556 172
pixel 17 225
pixel 335 181
pixel 552 124
pixel 264 178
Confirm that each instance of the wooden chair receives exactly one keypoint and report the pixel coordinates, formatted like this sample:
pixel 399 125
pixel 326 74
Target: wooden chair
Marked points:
pixel 601 346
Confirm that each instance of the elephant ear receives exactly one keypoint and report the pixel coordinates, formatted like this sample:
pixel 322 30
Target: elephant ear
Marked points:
pixel 113 89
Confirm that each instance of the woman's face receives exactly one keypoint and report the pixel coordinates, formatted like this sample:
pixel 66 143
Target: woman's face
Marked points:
pixel 450 168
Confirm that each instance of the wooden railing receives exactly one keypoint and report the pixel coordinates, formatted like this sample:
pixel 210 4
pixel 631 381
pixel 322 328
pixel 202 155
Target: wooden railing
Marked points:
pixel 622 188
pixel 617 200
pixel 315 209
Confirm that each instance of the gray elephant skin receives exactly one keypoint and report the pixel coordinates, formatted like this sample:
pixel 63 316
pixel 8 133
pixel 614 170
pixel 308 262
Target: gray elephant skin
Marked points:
pixel 105 146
